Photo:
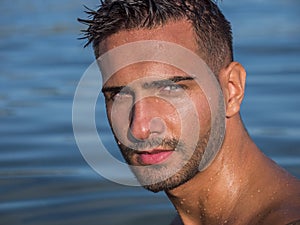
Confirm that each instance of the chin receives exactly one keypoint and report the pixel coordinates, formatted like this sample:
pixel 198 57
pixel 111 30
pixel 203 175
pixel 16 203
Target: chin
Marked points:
pixel 181 177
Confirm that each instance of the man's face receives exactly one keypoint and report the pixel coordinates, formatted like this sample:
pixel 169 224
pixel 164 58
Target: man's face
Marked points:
pixel 159 114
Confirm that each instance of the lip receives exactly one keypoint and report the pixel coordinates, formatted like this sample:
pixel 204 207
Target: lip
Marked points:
pixel 154 156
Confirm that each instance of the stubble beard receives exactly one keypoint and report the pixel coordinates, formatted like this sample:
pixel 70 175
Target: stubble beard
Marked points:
pixel 164 177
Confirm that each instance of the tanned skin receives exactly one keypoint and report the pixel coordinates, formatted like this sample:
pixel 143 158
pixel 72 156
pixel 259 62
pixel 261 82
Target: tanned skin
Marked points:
pixel 242 185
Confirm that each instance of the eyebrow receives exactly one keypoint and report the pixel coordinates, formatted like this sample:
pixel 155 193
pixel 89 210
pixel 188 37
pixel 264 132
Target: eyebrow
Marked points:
pixel 167 81
pixel 174 79
pixel 112 89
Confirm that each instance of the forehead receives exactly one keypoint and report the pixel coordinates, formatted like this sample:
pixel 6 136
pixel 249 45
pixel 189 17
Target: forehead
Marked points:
pixel 178 32
pixel 143 72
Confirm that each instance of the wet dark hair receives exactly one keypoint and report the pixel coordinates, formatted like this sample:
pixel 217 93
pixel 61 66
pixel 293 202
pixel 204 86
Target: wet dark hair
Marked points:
pixel 212 31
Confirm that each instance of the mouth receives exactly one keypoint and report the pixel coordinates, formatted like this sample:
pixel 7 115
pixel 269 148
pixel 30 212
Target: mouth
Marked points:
pixel 154 156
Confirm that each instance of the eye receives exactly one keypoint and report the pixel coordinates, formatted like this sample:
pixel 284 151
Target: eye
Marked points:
pixel 119 94
pixel 172 89
pixel 123 94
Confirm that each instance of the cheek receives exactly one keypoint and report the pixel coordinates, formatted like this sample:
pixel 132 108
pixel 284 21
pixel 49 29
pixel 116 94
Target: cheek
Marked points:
pixel 187 118
pixel 203 112
pixel 118 119
pixel 172 119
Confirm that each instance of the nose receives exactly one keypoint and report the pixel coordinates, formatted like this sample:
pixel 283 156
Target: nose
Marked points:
pixel 145 120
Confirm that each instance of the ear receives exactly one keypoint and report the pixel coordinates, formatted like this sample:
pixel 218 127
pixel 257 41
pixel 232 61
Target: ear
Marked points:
pixel 232 80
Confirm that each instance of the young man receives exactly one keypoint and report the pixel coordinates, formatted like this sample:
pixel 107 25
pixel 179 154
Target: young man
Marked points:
pixel 164 107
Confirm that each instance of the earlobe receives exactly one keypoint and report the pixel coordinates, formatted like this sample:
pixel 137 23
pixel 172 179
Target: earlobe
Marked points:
pixel 232 79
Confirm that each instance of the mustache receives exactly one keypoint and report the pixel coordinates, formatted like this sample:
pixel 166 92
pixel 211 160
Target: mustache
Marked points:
pixel 169 143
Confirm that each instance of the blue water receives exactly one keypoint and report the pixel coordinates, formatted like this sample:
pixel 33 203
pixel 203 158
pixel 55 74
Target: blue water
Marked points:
pixel 43 177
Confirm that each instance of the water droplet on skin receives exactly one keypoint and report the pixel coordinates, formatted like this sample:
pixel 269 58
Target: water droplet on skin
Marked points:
pixel 258 190
pixel 182 201
pixel 119 143
pixel 273 194
pixel 188 211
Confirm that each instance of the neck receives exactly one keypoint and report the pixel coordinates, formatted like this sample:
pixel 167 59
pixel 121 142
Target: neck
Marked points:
pixel 221 193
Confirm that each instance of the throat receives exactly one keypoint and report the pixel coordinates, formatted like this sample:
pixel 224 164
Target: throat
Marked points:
pixel 210 203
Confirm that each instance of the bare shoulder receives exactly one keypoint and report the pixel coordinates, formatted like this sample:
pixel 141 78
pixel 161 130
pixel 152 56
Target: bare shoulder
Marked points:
pixel 281 209
pixel 289 215
pixel 287 211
